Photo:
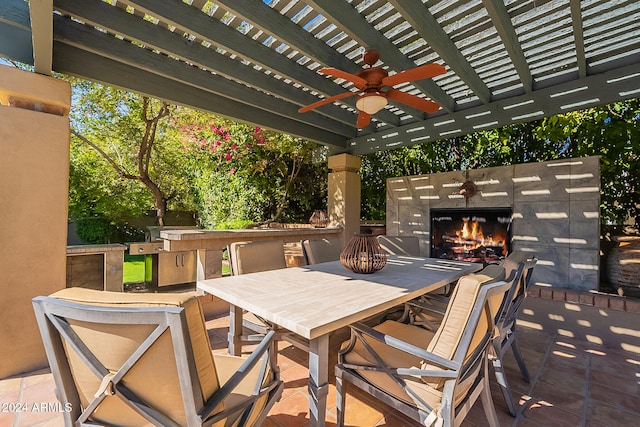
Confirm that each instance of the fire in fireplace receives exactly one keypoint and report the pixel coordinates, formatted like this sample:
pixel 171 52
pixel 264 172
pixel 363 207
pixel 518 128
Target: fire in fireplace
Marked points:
pixel 472 235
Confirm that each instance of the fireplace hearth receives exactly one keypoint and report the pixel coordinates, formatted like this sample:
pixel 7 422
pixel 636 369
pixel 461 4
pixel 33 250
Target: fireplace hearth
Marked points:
pixel 472 235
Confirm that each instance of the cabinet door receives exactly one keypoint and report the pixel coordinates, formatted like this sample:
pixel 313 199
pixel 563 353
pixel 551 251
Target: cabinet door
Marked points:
pixel 176 268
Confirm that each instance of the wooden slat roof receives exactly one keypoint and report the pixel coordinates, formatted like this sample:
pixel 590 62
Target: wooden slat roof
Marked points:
pixel 256 60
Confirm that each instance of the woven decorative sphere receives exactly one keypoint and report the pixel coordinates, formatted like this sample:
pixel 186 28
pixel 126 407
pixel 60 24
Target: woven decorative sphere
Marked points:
pixel 363 254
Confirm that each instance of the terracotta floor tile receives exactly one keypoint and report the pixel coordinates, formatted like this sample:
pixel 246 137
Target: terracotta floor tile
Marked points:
pixel 359 412
pixel 477 417
pixel 564 381
pixel 533 359
pixel 609 415
pixel 533 339
pixel 525 422
pixel 292 411
pixel 271 422
pixel 615 397
pixel 624 382
pixel 568 400
pixel 514 379
pixel 568 354
pixel 549 415
pixel 391 420
pixel 567 365
pixel 7 419
pixel 615 363
pixel 10 384
pixel 284 362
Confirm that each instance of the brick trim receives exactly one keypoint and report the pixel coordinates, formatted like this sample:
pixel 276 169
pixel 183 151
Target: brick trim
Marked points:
pixel 589 298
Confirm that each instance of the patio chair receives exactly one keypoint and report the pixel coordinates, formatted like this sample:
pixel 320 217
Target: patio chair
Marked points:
pixel 506 336
pixel 518 267
pixel 400 245
pixel 434 377
pixel 254 257
pixel 145 359
pixel 320 250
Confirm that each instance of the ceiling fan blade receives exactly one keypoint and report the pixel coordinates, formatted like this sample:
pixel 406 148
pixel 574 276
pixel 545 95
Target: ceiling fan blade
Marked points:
pixel 326 101
pixel 334 72
pixel 418 73
pixel 363 120
pixel 412 101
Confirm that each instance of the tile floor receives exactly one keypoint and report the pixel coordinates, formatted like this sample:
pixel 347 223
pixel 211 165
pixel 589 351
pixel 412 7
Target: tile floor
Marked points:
pixel 573 383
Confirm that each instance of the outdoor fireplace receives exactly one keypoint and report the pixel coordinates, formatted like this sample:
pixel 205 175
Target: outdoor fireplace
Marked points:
pixel 472 235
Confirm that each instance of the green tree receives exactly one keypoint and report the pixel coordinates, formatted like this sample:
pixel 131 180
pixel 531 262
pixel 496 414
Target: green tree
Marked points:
pixel 129 133
pixel 244 173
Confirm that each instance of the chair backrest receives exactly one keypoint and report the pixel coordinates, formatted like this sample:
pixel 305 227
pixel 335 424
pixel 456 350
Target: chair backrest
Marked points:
pixel 524 270
pixel 400 245
pixel 321 250
pixel 511 262
pixel 253 257
pixel 127 359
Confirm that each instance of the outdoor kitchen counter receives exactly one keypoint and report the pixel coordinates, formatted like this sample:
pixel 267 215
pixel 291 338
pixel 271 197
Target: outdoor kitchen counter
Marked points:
pixel 211 243
pixel 105 274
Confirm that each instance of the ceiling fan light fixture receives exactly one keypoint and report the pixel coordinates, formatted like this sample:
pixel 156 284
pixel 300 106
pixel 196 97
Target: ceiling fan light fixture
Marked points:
pixel 371 103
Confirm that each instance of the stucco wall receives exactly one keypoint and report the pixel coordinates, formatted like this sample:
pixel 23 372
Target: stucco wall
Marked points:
pixel 34 175
pixel 556 212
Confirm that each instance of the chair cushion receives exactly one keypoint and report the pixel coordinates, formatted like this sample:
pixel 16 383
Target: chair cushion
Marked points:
pixel 447 338
pixel 491 274
pixel 321 250
pixel 226 366
pixel 113 344
pixel 415 335
pixel 253 257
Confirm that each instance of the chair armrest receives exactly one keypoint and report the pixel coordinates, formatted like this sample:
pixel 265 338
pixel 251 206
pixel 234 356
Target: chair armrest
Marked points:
pixel 235 380
pixel 361 329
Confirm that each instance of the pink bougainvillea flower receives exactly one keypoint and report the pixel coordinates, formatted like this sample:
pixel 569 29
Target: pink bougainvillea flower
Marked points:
pixel 234 146
pixel 222 129
pixel 257 129
pixel 233 170
pixel 227 137
pixel 260 141
pixel 228 156
pixel 218 142
pixel 248 146
pixel 214 129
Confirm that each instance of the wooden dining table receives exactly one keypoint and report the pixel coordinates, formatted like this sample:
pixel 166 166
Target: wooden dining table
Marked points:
pixel 313 301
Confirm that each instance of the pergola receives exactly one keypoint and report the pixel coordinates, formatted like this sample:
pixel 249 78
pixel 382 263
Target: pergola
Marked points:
pixel 256 61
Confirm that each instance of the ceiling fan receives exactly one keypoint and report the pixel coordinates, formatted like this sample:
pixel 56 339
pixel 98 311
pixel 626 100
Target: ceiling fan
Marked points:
pixel 370 82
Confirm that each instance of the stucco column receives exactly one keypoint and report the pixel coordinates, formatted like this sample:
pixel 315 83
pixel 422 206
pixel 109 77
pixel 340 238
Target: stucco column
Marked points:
pixel 34 178
pixel 344 194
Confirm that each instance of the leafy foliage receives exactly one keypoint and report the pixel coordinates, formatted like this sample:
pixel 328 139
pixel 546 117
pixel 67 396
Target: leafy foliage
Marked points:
pixel 116 136
pixel 244 173
pixel 234 174
pixel 611 132
pixel 100 230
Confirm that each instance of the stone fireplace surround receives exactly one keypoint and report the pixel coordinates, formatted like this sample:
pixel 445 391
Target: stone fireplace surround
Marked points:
pixel 555 204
